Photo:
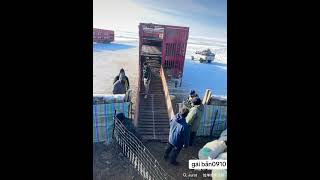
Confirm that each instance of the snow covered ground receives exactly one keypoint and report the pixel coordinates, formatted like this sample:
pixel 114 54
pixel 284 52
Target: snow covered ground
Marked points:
pixel 108 59
pixel 199 76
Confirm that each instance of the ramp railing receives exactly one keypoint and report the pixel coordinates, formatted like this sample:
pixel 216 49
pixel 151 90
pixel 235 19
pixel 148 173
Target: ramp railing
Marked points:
pixel 140 157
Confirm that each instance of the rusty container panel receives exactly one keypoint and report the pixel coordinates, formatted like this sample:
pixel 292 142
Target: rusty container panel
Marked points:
pixel 173 40
pixel 174 48
pixel 102 35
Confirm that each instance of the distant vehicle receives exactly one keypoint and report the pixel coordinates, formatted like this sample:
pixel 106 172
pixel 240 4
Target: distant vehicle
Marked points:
pixel 205 56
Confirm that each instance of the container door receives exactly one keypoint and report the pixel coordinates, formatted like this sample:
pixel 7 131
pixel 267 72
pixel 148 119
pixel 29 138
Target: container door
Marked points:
pixel 174 49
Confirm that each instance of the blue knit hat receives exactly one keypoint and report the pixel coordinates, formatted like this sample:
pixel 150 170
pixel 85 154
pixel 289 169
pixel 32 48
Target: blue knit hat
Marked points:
pixel 192 92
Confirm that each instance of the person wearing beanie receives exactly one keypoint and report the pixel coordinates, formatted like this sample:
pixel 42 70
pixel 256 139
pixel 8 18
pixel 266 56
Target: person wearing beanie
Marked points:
pixel 178 136
pixel 119 87
pixel 188 102
pixel 126 78
pixel 192 92
pixel 194 117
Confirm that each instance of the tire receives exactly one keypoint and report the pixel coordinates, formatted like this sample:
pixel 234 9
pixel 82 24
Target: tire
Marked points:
pixel 201 60
pixel 192 57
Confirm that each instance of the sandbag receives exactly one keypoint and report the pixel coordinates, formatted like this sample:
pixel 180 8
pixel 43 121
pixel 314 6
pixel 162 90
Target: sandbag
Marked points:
pixel 222 156
pixel 223 136
pixel 224 133
pixel 204 153
pixel 212 149
pixel 220 174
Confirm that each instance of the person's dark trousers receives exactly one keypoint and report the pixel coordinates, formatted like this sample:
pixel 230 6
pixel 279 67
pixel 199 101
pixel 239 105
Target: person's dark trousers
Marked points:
pixel 192 137
pixel 174 152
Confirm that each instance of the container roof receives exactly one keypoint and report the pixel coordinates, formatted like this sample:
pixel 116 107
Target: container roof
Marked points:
pixel 162 25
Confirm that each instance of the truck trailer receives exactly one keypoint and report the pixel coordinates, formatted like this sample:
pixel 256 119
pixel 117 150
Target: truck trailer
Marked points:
pixel 165 42
pixel 163 48
pixel 103 35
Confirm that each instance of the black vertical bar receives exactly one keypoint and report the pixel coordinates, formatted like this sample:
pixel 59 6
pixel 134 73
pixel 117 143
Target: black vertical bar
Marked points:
pixel 214 120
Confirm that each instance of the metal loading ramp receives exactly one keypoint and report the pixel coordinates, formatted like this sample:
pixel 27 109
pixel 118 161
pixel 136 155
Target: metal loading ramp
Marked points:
pixel 153 123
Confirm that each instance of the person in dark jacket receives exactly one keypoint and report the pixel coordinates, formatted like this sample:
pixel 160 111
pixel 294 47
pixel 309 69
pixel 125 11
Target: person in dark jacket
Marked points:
pixel 119 87
pixel 126 80
pixel 188 102
pixel 146 73
pixel 194 117
pixel 178 136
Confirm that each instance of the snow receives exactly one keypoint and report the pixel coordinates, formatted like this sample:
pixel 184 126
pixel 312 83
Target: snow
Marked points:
pixel 112 47
pixel 217 46
pixel 108 59
pixel 200 76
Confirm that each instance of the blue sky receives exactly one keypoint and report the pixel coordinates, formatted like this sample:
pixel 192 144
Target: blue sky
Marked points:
pixel 206 18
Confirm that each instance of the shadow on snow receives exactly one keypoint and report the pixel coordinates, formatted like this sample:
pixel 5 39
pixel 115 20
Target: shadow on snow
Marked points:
pixel 110 47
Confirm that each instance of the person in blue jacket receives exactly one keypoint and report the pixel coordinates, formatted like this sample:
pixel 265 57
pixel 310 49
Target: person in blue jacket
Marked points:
pixel 178 136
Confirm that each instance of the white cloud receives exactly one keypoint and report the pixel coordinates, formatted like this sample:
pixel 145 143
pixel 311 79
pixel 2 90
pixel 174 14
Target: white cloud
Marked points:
pixel 126 15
